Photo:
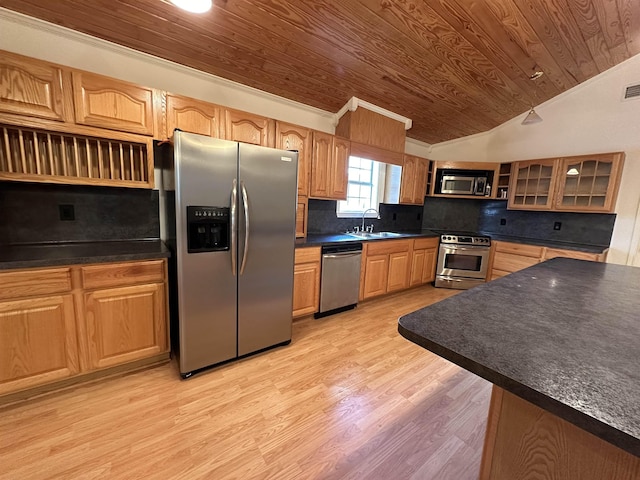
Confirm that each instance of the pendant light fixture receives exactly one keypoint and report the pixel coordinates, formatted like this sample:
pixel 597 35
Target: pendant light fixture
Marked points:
pixel 532 116
pixel 193 6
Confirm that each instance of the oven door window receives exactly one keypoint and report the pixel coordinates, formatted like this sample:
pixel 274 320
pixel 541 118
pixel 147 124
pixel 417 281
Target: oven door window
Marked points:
pixel 463 262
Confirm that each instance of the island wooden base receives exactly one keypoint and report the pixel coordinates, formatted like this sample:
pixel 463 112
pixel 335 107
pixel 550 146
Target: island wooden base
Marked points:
pixel 525 441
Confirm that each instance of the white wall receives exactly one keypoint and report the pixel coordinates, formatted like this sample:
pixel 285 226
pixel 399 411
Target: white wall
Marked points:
pixel 590 118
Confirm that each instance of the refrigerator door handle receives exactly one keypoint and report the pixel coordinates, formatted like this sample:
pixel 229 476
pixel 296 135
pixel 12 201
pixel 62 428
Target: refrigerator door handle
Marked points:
pixel 234 216
pixel 245 204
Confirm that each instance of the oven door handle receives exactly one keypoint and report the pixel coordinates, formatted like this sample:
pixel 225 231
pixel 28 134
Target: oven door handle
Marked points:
pixel 473 249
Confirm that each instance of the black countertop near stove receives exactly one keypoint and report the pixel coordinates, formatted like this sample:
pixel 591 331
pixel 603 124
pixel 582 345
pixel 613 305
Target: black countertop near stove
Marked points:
pixel 68 253
pixel 331 239
pixel 563 334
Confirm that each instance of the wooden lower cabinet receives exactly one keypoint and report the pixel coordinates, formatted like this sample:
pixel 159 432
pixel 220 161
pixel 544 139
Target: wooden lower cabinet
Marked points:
pixel 375 275
pixel 398 277
pixel 386 267
pixel 125 324
pixel 37 341
pixel 60 323
pixel 306 281
pixel 525 441
pixel 509 257
pixel 423 261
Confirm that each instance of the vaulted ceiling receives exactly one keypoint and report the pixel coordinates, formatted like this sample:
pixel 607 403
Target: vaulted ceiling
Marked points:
pixel 455 67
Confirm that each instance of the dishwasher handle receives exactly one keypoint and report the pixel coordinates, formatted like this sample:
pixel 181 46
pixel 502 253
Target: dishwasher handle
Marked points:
pixel 341 255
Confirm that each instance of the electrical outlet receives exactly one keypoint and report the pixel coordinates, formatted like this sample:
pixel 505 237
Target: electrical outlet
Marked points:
pixel 557 225
pixel 67 212
pixel 503 221
pixel 419 216
pixel 394 216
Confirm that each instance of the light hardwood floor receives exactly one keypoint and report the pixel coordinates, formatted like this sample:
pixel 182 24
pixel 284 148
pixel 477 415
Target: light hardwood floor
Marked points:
pixel 348 399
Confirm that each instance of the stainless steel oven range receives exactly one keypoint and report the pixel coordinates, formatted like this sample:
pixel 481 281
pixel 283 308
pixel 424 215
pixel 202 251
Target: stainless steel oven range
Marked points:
pixel 463 261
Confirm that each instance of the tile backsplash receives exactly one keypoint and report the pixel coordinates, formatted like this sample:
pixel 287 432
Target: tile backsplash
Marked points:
pixel 31 213
pixel 399 218
pixel 493 217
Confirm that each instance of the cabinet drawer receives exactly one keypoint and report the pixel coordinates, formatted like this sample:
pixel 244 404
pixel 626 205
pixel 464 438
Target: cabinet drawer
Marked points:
pixel 98 276
pixel 307 255
pixel 420 243
pixel 508 262
pixel 557 252
pixel 29 283
pixel 383 247
pixel 519 249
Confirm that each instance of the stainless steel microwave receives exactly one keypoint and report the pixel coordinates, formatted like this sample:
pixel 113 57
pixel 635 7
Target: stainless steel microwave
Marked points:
pixel 463 185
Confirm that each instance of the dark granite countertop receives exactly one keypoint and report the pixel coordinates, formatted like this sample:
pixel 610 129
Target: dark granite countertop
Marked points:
pixel 550 243
pixel 67 253
pixel 563 334
pixel 316 239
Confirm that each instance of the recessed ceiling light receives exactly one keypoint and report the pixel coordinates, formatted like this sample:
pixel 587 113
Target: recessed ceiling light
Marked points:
pixel 193 6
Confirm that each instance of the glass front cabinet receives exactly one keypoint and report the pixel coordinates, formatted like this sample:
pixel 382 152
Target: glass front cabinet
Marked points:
pixel 587 183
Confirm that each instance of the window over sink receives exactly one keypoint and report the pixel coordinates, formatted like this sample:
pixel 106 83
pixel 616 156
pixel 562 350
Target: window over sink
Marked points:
pixel 366 187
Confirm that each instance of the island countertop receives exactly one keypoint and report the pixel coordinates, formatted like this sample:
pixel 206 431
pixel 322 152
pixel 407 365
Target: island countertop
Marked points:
pixel 563 335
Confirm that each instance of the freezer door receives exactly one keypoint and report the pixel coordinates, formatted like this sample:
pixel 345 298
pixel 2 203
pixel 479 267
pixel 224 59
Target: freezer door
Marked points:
pixel 268 182
pixel 205 169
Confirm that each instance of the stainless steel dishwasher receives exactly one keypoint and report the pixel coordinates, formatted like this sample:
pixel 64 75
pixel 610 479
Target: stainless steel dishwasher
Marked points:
pixel 340 278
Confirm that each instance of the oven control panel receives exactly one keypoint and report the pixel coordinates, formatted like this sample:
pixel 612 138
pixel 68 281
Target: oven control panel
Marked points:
pixel 466 240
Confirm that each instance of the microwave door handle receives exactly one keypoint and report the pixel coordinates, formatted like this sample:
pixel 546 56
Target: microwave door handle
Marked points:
pixel 245 204
pixel 234 213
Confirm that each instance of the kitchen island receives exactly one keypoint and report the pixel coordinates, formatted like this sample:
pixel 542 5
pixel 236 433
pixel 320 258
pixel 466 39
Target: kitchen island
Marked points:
pixel 560 341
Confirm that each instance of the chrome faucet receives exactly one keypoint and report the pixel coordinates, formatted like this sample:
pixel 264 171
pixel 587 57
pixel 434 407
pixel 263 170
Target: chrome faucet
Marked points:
pixel 364 213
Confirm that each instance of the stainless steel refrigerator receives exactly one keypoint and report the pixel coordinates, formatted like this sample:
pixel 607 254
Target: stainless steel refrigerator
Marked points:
pixel 231 216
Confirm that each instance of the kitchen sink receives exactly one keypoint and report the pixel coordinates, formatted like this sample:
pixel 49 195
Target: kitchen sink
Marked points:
pixel 374 235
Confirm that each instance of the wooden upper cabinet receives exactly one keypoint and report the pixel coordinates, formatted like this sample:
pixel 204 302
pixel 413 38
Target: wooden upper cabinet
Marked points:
pixel 108 103
pixel 329 164
pixel 293 137
pixel 589 183
pixel 194 116
pixel 320 165
pixel 33 88
pixel 413 186
pixel 248 128
pixel 339 168
pixel 586 183
pixel 533 184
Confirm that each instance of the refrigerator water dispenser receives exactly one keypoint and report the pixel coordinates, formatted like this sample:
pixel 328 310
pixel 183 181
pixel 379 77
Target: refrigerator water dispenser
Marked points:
pixel 207 229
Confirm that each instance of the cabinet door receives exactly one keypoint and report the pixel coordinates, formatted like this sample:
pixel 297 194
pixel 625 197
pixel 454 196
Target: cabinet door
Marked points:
pixel 430 259
pixel 375 276
pixel 301 217
pixel 248 128
pixel 532 184
pixel 292 137
pixel 320 165
pixel 417 267
pixel 108 103
pixel 339 168
pixel 420 183
pixel 195 116
pixel 306 288
pixel 398 271
pixel 408 180
pixel 37 341
pixel 589 183
pixel 125 324
pixel 30 87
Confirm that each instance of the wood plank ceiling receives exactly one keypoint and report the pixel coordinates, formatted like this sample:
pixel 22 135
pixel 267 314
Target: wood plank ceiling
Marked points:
pixel 455 67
